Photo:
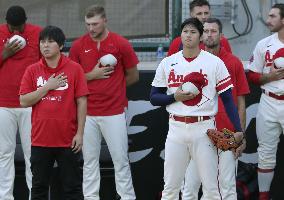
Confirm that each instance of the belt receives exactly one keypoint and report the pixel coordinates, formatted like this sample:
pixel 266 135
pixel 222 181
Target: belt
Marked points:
pixel 275 96
pixel 189 119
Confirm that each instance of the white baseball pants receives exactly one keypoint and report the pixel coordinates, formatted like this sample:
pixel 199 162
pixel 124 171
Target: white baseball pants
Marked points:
pixel 226 178
pixel 13 120
pixel 113 129
pixel 185 142
pixel 269 127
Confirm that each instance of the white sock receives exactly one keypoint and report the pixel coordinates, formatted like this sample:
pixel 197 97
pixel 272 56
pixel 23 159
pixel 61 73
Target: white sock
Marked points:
pixel 264 180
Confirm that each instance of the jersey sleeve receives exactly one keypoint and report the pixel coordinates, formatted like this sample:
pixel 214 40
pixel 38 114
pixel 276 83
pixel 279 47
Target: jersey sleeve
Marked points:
pixel 242 87
pixel 81 87
pixel 27 84
pixel 2 43
pixel 160 76
pixel 129 57
pixel 256 62
pixel 74 52
pixel 174 46
pixel 223 79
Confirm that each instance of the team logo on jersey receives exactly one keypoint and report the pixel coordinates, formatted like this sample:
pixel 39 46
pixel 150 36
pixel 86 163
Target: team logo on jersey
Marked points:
pixel 174 80
pixel 41 82
pixel 197 78
pixel 268 58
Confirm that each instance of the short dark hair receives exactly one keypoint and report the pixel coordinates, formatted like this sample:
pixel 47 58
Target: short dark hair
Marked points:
pixel 53 33
pixel 195 3
pixel 217 21
pixel 16 16
pixel 194 22
pixel 280 6
pixel 94 10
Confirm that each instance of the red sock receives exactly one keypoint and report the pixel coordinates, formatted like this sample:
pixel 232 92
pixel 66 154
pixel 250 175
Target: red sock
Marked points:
pixel 263 196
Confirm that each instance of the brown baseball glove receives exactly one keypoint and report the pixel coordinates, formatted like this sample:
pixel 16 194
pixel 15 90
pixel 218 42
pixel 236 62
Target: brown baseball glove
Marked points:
pixel 224 139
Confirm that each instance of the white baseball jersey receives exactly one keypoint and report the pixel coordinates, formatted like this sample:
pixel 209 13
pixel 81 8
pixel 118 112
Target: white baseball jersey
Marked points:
pixel 172 70
pixel 262 61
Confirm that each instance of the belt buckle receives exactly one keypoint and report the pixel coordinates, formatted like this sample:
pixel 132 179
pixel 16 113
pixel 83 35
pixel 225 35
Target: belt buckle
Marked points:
pixel 187 119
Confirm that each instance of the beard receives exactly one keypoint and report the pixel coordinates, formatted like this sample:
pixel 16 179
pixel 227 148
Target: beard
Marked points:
pixel 210 44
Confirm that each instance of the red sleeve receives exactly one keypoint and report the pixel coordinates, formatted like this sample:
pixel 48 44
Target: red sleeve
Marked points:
pixel 254 77
pixel 81 88
pixel 74 52
pixel 27 84
pixel 129 57
pixel 225 44
pixel 2 43
pixel 242 87
pixel 174 46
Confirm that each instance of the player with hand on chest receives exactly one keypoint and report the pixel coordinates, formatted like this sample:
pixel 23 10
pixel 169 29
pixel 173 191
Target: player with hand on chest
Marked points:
pixel 264 71
pixel 56 89
pixel 191 115
pixel 211 38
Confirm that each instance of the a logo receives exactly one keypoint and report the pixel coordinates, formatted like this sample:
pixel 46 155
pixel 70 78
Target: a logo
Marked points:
pixel 268 58
pixel 41 82
pixel 87 50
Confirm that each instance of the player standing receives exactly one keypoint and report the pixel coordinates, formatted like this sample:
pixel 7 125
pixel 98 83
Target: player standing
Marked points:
pixel 199 9
pixel 270 116
pixel 14 59
pixel 56 89
pixel 192 115
pixel 106 102
pixel 226 167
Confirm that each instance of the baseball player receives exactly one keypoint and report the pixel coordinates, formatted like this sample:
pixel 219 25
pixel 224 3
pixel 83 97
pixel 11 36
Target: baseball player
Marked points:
pixel 270 118
pixel 226 167
pixel 56 89
pixel 107 101
pixel 199 9
pixel 15 56
pixel 192 114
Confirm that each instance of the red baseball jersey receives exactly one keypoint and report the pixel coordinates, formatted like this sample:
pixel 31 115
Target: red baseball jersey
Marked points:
pixel 176 45
pixel 54 117
pixel 107 96
pixel 238 78
pixel 13 68
pixel 175 69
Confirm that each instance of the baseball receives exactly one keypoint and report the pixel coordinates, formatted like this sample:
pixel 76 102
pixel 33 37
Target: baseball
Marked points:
pixel 19 38
pixel 279 62
pixel 190 87
pixel 108 59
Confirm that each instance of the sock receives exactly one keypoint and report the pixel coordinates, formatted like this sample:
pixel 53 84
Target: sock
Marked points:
pixel 265 177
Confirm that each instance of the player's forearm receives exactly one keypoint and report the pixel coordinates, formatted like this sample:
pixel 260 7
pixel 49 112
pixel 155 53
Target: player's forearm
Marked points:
pixel 231 109
pixel 131 80
pixel 81 113
pixel 265 78
pixel 158 97
pixel 34 97
pixel 131 76
pixel 89 76
pixel 242 111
